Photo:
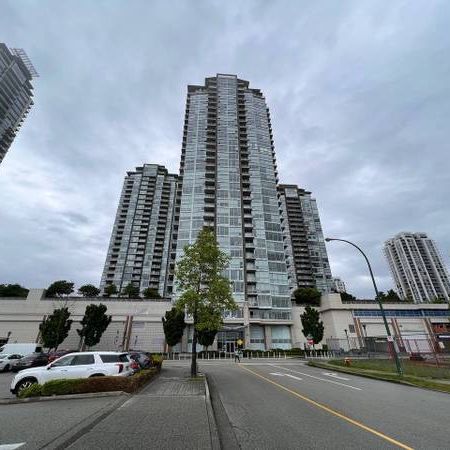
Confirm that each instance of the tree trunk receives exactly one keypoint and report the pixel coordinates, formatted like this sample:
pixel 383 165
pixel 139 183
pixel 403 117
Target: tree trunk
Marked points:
pixel 80 344
pixel 194 349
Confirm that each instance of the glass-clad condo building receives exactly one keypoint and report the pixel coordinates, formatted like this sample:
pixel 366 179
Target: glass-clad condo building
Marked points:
pixel 16 93
pixel 139 249
pixel 306 254
pixel 228 181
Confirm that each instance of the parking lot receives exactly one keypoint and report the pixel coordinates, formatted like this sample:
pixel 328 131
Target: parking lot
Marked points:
pixel 5 382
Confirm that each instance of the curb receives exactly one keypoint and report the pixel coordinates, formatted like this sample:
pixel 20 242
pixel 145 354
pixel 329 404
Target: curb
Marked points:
pixel 213 431
pixel 373 376
pixel 15 401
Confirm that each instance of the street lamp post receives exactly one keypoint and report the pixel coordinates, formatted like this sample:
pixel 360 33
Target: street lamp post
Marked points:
pixel 348 341
pixel 377 297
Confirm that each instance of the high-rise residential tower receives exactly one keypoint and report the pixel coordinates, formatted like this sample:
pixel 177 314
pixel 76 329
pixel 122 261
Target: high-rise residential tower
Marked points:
pixel 306 253
pixel 138 252
pixel 16 93
pixel 417 267
pixel 228 181
pixel 339 285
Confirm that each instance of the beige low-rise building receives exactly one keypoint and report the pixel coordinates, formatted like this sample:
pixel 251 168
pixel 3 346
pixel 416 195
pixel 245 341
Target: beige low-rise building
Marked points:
pixel 137 324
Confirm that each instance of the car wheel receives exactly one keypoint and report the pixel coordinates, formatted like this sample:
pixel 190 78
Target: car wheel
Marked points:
pixel 24 384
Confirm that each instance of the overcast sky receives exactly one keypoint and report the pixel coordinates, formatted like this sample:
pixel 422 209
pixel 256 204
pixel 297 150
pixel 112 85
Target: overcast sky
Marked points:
pixel 358 93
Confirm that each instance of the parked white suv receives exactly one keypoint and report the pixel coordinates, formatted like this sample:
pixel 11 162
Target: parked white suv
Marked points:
pixel 75 365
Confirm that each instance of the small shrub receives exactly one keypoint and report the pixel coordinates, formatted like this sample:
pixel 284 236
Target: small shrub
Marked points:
pixel 61 387
pixel 35 390
pixel 157 361
pixel 96 384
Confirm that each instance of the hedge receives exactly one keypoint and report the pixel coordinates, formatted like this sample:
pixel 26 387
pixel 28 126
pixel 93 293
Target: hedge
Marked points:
pixel 89 385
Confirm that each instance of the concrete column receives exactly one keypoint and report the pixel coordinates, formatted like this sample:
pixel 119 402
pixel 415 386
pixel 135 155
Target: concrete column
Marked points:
pixel 184 339
pixel 268 336
pixel 291 330
pixel 247 336
pixel 35 295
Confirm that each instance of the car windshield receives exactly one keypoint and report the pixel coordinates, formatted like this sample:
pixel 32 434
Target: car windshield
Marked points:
pixel 4 356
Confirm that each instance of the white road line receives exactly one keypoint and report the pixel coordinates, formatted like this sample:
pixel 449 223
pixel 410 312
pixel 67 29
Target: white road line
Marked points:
pixel 317 378
pixel 11 446
pixel 286 375
pixel 335 375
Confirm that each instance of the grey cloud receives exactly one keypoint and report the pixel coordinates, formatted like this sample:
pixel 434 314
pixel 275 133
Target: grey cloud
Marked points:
pixel 358 93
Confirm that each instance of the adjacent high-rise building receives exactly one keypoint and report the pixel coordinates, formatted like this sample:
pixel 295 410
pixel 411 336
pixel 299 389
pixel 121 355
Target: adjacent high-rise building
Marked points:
pixel 16 93
pixel 138 252
pixel 228 181
pixel 339 285
pixel 417 267
pixel 306 253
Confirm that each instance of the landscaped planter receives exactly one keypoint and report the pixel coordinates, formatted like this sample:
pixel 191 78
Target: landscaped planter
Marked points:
pixel 91 385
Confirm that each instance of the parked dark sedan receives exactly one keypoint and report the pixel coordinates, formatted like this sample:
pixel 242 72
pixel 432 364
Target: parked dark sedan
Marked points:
pixel 55 355
pixel 141 358
pixel 34 360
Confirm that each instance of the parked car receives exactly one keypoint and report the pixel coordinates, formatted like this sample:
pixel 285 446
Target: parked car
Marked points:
pixel 21 349
pixel 142 360
pixel 75 365
pixel 7 360
pixel 34 360
pixel 52 356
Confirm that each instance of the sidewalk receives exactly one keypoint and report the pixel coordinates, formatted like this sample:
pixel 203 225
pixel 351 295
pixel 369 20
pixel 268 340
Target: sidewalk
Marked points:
pixel 170 413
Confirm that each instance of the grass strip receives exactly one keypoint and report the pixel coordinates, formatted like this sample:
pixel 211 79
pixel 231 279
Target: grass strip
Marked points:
pixel 407 380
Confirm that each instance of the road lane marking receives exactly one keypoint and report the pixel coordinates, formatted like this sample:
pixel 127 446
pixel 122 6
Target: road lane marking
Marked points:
pixel 335 375
pixel 332 411
pixel 11 446
pixel 317 378
pixel 286 375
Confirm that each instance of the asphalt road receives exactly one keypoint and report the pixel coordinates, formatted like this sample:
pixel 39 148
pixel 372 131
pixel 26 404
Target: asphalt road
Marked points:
pixel 286 404
pixel 259 404
pixel 5 383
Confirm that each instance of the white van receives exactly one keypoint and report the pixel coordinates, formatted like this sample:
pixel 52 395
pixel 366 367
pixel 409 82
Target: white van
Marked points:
pixel 22 349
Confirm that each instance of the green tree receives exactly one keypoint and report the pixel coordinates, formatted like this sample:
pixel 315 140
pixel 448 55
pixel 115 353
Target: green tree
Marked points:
pixel 205 293
pixel 392 296
pixel 307 296
pixel 312 325
pixel 93 325
pixel 346 297
pixel 173 325
pixel 55 328
pixel 110 289
pixel 151 293
pixel 206 337
pixel 130 291
pixel 59 289
pixel 13 290
pixel 89 290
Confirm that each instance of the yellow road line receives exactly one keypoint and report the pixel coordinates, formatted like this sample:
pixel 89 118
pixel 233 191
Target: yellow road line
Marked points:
pixel 332 411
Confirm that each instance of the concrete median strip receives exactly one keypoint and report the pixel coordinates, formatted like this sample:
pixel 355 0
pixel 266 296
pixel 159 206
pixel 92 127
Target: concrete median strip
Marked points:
pixel 215 442
pixel 421 383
